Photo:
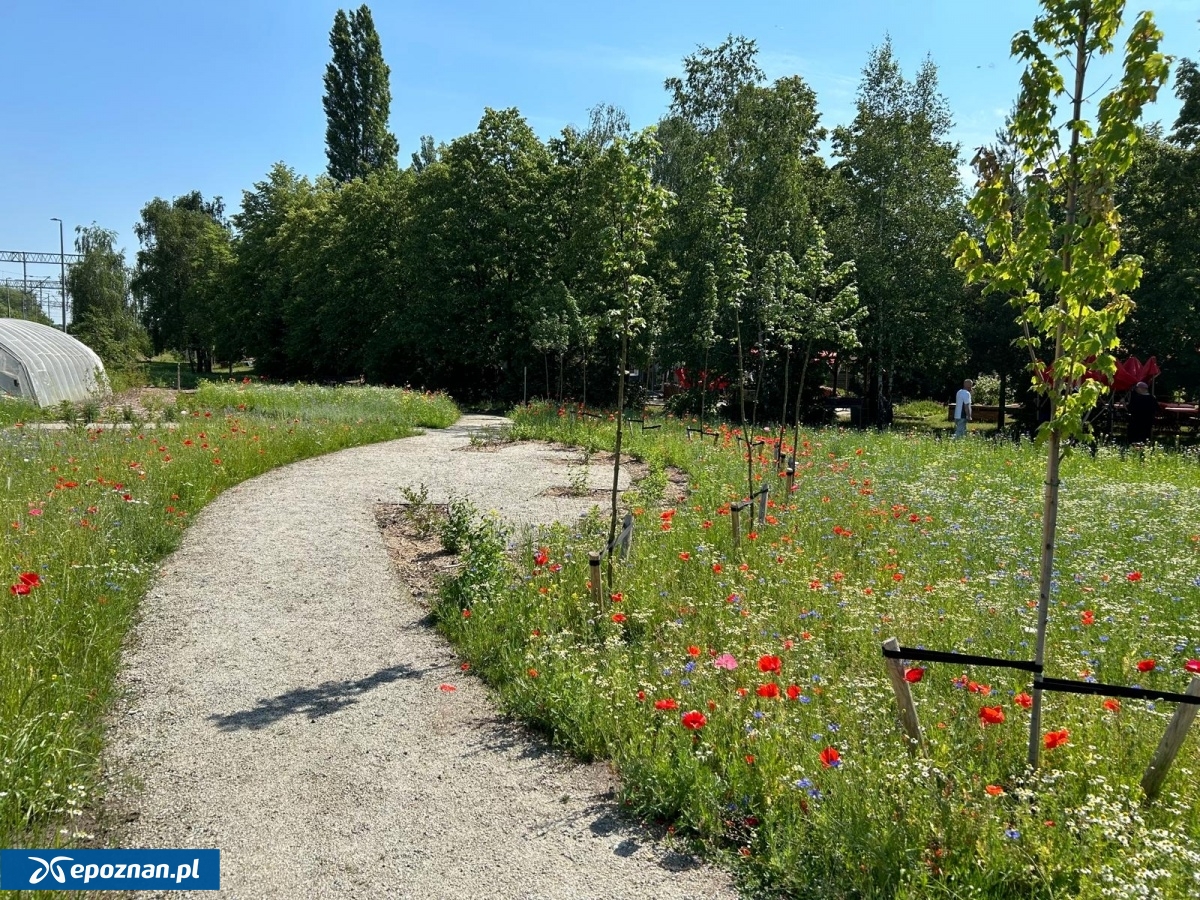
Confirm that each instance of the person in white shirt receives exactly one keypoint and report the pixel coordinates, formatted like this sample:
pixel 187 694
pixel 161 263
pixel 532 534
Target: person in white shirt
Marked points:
pixel 962 408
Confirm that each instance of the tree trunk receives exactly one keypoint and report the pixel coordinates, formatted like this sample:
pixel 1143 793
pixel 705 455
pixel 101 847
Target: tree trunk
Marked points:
pixel 799 397
pixel 762 365
pixel 1050 504
pixel 787 374
pixel 1049 523
pixel 612 525
pixel 1003 402
pixel 742 404
pixel 585 376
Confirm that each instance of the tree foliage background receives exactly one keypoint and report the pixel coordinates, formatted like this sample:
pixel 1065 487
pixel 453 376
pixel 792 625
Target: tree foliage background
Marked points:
pixel 481 268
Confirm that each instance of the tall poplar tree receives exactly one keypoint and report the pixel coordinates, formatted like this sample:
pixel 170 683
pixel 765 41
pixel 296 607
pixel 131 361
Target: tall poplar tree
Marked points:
pixel 357 100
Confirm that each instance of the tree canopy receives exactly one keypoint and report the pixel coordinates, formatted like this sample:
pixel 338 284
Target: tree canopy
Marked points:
pixel 358 99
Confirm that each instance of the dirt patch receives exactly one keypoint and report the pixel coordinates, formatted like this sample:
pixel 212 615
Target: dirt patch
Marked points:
pixel 411 537
pixel 144 402
pixel 677 486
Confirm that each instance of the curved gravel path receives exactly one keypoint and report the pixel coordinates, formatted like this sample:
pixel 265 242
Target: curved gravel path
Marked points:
pixel 283 705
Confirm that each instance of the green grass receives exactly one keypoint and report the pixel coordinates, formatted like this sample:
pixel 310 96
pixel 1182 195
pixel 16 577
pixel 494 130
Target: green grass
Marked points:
pixel 89 513
pixel 934 542
pixel 167 373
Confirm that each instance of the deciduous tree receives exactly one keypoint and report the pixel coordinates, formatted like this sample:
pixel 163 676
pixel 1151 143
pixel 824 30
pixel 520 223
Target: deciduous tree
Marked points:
pixel 1056 254
pixel 103 317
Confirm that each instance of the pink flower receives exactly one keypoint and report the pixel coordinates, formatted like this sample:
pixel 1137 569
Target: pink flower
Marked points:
pixel 726 661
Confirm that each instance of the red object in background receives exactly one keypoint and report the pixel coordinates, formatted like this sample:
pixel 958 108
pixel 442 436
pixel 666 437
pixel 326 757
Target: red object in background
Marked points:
pixel 1131 371
pixel 1128 373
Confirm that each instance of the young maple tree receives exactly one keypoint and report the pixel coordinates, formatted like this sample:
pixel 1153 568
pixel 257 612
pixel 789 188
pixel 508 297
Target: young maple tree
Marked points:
pixel 1055 254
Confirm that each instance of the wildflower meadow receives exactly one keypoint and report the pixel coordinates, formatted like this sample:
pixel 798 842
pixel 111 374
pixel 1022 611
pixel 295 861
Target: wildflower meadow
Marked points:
pixel 88 511
pixel 742 694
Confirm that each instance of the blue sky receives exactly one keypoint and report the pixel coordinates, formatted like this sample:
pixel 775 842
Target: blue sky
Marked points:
pixel 107 105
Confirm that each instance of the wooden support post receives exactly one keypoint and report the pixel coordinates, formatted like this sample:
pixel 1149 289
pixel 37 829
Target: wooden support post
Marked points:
pixel 904 699
pixel 735 519
pixel 594 576
pixel 627 536
pixel 791 479
pixel 1172 740
pixel 762 505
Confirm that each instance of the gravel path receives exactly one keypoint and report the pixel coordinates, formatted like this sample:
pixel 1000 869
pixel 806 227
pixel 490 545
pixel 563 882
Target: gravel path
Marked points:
pixel 283 704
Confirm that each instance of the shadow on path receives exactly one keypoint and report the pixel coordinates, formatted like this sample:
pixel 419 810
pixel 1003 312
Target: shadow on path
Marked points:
pixel 312 702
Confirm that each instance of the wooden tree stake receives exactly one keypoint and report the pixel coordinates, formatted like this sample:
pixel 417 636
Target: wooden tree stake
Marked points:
pixel 594 570
pixel 735 519
pixel 762 506
pixel 1172 740
pixel 627 536
pixel 904 699
pixel 791 479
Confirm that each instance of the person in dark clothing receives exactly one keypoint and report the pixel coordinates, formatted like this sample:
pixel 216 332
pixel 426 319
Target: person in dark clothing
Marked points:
pixel 1142 410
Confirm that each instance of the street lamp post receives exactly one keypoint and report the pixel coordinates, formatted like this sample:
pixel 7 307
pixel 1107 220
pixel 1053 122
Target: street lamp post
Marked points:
pixel 62 269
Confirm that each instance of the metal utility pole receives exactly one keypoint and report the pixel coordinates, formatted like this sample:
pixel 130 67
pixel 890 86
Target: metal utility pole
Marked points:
pixel 62 268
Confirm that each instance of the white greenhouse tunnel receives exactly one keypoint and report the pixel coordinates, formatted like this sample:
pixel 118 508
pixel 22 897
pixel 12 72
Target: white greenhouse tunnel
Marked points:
pixel 46 366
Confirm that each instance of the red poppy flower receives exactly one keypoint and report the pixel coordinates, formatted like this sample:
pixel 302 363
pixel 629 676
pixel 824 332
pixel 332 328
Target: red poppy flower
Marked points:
pixel 769 664
pixel 830 758
pixel 1193 666
pixel 447 688
pixel 1134 576
pixel 770 690
pixel 533 673
pixel 1023 700
pixel 685 556
pixel 541 557
pixel 694 720
pixel 667 515
pixel 991 715
pixel 1054 739
pixel 749 759
pixel 15 589
pixel 914 674
pixel 666 703
pixel 618 617
pixel 1087 617
pixel 693 650
pixel 1112 705
pixel 793 692
pixel 994 790
pixel 641 695
pixel 466 614
pixel 716 567
pixel 30 578
pixel 1146 665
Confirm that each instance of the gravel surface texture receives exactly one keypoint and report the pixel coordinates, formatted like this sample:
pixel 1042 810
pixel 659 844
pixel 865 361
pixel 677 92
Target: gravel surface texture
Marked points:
pixel 283 703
